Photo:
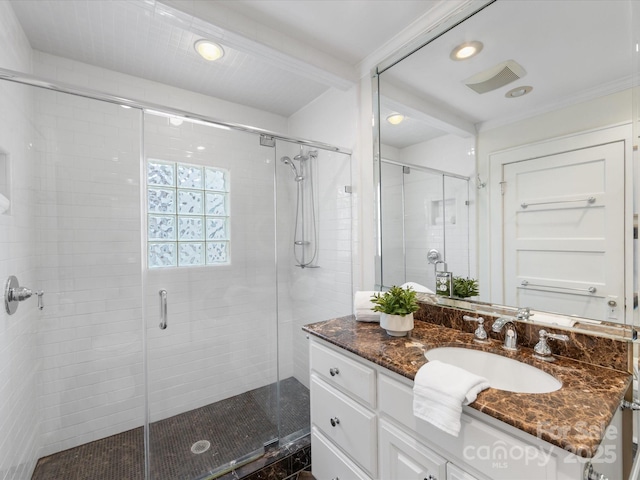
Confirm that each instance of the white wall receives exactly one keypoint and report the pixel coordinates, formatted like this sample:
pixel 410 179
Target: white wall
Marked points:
pixel 448 153
pixel 18 363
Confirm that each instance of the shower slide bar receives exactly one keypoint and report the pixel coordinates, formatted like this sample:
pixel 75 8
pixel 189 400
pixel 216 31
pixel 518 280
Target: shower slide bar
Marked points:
pixel 35 81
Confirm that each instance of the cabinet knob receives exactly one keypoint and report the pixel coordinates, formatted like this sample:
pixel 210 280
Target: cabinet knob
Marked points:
pixel 334 371
pixel 430 477
pixel 335 421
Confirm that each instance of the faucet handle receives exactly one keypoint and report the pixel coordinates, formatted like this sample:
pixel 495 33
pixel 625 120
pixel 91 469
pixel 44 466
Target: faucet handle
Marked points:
pixel 480 334
pixel 542 351
pixel 524 314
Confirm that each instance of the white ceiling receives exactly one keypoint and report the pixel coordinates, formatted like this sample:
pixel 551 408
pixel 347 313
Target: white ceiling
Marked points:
pixel 154 40
pixel 571 51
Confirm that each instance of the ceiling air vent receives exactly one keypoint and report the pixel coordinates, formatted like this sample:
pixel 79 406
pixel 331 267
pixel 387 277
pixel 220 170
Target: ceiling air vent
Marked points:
pixel 495 77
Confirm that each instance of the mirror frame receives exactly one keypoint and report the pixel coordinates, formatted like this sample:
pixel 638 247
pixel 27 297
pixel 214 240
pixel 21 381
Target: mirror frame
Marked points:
pixel 605 329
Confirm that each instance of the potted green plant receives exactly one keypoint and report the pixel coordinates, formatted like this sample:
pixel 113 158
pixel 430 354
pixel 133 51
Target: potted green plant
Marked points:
pixel 396 308
pixel 465 287
pixel 461 288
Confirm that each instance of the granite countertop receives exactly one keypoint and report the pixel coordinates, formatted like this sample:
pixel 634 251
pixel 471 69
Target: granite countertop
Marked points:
pixel 573 418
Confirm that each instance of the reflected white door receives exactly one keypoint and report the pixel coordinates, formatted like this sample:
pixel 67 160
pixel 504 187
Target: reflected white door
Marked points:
pixel 564 231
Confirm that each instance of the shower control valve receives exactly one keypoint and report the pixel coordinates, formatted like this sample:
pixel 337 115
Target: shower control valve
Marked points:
pixel 14 293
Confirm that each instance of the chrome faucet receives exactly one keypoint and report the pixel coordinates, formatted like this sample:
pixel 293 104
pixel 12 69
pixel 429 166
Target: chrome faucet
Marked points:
pixel 542 351
pixel 510 334
pixel 479 335
pixel 524 314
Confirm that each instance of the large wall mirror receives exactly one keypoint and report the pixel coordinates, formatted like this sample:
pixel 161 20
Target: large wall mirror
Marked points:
pixel 514 163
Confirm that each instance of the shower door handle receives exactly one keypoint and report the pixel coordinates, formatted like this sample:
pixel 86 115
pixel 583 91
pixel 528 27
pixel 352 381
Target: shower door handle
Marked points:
pixel 163 309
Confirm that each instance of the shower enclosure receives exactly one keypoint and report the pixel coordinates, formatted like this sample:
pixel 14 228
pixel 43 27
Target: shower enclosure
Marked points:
pixel 170 344
pixel 422 210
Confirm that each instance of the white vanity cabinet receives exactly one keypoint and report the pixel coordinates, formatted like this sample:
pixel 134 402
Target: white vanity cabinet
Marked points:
pixel 343 419
pixel 363 427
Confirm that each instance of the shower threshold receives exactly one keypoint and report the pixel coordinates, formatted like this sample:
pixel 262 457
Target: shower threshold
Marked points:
pixel 235 428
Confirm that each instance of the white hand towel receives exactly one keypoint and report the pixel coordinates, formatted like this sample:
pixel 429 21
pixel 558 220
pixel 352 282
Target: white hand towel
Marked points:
pixel 363 308
pixel 440 390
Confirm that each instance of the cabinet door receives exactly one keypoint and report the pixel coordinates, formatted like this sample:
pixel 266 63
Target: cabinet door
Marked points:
pixel 454 473
pixel 329 463
pixel 402 457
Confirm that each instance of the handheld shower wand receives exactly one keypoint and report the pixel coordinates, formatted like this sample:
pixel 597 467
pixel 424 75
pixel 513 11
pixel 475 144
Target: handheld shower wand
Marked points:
pixel 287 161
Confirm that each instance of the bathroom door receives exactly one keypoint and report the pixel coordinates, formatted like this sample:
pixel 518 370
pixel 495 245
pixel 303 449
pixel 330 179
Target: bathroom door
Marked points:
pixel 210 298
pixel 564 231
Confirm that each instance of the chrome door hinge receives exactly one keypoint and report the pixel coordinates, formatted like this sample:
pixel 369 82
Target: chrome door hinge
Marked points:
pixel 267 141
pixel 502 187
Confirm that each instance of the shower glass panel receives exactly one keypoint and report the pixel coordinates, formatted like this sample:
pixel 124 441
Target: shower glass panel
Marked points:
pixel 314 263
pixel 209 209
pixel 421 210
pixel 74 191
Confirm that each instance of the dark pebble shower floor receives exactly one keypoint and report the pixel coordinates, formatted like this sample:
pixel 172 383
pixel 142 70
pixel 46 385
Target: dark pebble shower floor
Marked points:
pixel 234 427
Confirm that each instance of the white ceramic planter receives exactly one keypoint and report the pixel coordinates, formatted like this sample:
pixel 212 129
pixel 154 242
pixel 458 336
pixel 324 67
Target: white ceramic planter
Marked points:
pixel 396 325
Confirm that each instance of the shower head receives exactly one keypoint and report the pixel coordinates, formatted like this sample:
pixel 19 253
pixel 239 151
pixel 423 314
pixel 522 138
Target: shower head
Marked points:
pixel 288 161
pixel 301 157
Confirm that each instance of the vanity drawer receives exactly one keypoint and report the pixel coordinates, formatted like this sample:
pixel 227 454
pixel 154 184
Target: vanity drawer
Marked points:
pixel 329 463
pixel 491 451
pixel 346 423
pixel 349 375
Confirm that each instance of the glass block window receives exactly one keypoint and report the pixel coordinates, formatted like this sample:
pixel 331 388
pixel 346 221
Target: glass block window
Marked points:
pixel 188 215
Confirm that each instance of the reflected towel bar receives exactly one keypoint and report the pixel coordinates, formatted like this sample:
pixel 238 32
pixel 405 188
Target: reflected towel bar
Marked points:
pixel 589 200
pixel 525 283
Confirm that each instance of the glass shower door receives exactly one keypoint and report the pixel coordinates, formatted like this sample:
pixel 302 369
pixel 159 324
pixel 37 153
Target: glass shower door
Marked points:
pixel 210 298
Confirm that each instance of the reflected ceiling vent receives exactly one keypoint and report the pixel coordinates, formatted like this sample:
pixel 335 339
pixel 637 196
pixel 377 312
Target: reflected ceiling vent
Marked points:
pixel 495 77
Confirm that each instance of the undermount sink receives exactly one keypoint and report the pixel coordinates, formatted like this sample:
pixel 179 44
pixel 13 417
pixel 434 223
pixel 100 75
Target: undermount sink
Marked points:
pixel 503 373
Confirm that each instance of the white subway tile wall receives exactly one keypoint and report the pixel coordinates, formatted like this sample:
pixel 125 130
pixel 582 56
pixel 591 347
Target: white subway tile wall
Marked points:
pixel 89 336
pixel 18 362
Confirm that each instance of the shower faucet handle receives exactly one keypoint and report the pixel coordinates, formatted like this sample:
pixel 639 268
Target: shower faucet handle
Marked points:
pixel 40 294
pixel 14 293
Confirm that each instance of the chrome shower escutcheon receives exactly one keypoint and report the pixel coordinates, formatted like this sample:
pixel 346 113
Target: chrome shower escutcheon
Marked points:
pixel 14 294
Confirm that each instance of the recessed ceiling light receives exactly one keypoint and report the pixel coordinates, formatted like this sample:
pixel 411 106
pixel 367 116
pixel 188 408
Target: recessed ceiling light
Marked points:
pixel 395 118
pixel 518 91
pixel 175 121
pixel 466 50
pixel 200 148
pixel 209 50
